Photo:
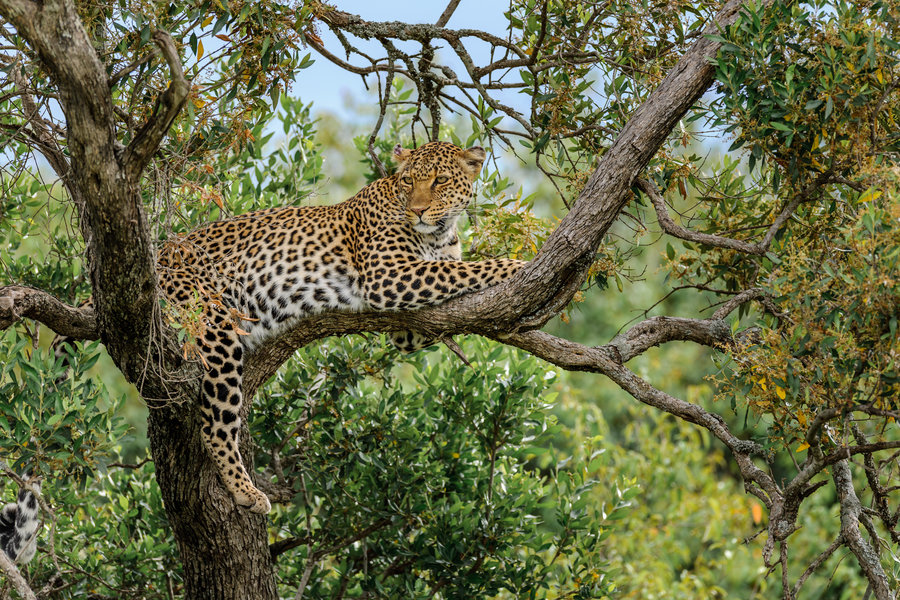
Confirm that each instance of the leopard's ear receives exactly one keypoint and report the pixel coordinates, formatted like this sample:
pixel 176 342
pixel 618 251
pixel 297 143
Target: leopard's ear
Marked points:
pixel 401 155
pixel 472 159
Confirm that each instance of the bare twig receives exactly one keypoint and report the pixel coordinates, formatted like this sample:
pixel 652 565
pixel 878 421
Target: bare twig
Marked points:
pixel 448 12
pixel 817 562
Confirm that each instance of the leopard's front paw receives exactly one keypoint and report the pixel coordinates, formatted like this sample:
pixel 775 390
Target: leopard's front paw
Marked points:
pixel 253 500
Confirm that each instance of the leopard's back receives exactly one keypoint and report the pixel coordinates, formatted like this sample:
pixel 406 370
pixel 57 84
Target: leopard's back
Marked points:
pixel 272 267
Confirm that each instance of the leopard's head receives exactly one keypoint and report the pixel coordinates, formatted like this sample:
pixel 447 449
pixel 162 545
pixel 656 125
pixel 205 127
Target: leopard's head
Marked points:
pixel 435 182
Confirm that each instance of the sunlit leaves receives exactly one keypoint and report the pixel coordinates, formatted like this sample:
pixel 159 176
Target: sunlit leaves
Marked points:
pixel 838 345
pixel 594 62
pixel 805 85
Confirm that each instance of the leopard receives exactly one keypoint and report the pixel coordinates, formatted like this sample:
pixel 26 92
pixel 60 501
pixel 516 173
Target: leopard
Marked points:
pixel 20 524
pixel 394 246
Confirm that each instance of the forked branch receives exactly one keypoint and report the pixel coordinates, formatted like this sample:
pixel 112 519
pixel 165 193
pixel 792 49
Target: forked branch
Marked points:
pixel 851 512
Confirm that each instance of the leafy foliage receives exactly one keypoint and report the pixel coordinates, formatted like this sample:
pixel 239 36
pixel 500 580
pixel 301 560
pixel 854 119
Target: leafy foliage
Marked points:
pixel 62 421
pixel 430 466
pixel 838 347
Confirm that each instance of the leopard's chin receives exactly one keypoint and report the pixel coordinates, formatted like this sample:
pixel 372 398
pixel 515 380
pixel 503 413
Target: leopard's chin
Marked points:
pixel 426 228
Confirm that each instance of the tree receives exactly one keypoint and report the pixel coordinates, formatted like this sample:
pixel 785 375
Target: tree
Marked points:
pixel 795 229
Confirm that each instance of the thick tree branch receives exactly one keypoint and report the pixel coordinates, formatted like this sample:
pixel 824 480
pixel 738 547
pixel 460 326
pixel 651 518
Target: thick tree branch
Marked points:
pixel 851 509
pixel 12 574
pixel 440 321
pixel 18 302
pixel 168 105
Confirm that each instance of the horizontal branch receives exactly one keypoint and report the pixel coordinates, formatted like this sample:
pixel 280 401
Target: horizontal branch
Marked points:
pixel 281 546
pixel 714 333
pixel 737 300
pixel 848 451
pixel 826 414
pixel 18 302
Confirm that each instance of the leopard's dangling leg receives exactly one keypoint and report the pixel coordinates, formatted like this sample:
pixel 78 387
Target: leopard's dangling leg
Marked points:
pixel 220 402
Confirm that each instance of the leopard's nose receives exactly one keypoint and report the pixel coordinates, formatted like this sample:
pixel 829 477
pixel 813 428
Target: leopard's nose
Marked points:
pixel 419 211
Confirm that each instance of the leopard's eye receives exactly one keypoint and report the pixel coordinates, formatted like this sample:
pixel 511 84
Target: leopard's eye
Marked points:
pixel 406 179
pixel 440 179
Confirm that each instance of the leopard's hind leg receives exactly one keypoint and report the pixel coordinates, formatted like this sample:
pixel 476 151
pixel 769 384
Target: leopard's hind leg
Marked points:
pixel 220 402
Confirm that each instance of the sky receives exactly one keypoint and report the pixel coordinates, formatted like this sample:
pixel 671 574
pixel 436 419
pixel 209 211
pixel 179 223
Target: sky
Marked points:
pixel 326 85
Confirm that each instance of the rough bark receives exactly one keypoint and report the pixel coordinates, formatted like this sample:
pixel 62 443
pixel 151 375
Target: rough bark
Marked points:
pixel 851 514
pixel 224 549
pixel 18 302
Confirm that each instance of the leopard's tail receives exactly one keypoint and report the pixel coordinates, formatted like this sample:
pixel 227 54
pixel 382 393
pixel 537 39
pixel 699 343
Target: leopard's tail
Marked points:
pixel 19 525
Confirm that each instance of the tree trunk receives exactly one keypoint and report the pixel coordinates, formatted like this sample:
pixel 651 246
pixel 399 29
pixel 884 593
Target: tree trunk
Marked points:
pixel 224 549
